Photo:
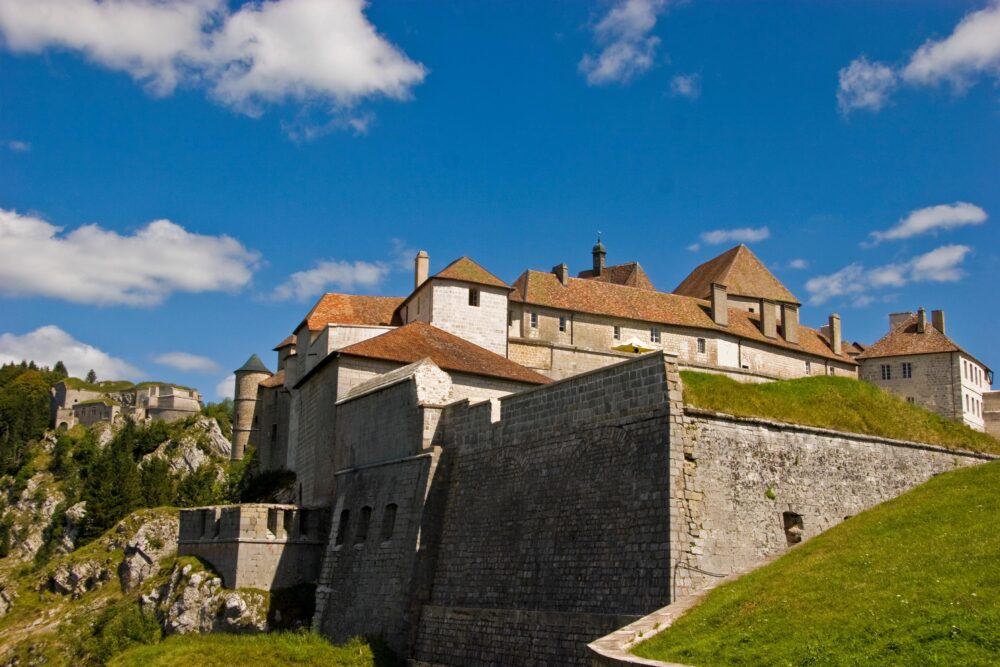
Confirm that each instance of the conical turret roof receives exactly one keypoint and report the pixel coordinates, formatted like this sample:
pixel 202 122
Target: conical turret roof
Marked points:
pixel 253 365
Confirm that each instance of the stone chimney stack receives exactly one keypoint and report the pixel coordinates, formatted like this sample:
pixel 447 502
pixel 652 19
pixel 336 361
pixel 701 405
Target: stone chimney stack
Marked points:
pixel 421 267
pixel 720 305
pixel 921 320
pixel 600 254
pixel 562 273
pixel 835 341
pixel 937 318
pixel 768 319
pixel 790 322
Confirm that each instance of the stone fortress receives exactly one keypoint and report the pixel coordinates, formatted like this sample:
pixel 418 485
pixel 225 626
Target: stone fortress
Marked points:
pixel 76 402
pixel 500 474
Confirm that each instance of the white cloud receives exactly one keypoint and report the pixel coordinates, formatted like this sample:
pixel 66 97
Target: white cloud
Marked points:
pixel 186 361
pixel 932 219
pixel 226 387
pixel 798 264
pixel 694 247
pixel 323 51
pixel 739 235
pixel 49 344
pixel 18 146
pixel 686 85
pixel 864 85
pixel 98 266
pixel 857 282
pixel 342 275
pixel 970 51
pixel 627 47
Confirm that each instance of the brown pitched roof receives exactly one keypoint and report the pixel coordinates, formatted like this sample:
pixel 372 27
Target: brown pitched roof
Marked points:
pixel 418 340
pixel 630 274
pixel 904 340
pixel 600 298
pixel 351 309
pixel 466 270
pixel 276 380
pixel 285 343
pixel 742 274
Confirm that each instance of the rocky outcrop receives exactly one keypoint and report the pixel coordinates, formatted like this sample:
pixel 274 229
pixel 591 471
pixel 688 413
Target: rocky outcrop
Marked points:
pixel 193 601
pixel 207 431
pixel 73 523
pixel 154 540
pixel 201 444
pixel 7 596
pixel 32 513
pixel 75 579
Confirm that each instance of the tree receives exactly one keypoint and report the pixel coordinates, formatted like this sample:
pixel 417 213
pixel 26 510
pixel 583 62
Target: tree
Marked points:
pixel 60 369
pixel 91 376
pixel 113 488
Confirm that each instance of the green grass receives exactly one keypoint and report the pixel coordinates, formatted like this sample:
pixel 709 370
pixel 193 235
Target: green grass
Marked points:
pixel 258 650
pixel 105 385
pixel 914 581
pixel 836 403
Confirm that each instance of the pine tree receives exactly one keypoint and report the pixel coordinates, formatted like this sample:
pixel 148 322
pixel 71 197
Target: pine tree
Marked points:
pixel 60 369
pixel 113 488
pixel 91 376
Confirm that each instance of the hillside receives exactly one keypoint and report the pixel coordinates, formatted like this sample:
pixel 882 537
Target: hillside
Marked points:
pixel 842 404
pixel 914 581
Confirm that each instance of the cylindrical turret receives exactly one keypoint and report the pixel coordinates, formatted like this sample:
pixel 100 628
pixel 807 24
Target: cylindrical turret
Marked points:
pixel 248 376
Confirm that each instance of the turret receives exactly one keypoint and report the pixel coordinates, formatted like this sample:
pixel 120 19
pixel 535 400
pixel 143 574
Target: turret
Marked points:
pixel 600 254
pixel 248 376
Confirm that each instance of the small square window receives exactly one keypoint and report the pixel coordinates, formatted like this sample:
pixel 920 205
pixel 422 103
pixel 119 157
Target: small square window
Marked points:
pixel 534 320
pixel 910 400
pixel 617 333
pixel 473 296
pixel 562 323
pixel 701 346
pixel 654 334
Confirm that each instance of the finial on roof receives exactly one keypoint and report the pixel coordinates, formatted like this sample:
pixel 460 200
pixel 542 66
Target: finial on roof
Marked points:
pixel 599 247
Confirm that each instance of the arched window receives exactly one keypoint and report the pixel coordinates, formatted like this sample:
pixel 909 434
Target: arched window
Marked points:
pixel 388 521
pixel 345 519
pixel 366 517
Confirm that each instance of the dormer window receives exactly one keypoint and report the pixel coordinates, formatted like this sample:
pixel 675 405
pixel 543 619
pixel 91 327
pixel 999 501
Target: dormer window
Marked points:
pixel 473 296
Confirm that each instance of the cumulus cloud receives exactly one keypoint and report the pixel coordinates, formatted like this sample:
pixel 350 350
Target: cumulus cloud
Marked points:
pixel 186 361
pixel 93 265
pixel 317 51
pixel 49 344
pixel 931 219
pixel 864 85
pixel 18 146
pixel 226 387
pixel 798 264
pixel 972 50
pixel 856 282
pixel 342 275
pixel 627 47
pixel 738 235
pixel 686 85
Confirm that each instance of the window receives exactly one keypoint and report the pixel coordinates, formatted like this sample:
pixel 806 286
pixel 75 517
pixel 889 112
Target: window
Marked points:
pixel 562 323
pixel 886 372
pixel 473 296
pixel 701 346
pixel 345 519
pixel 366 517
pixel 907 370
pixel 809 368
pixel 388 521
pixel 909 399
pixel 617 333
pixel 831 370
pixel 654 334
pixel 752 309
pixel 793 525
pixel 967 403
pixel 965 368
pixel 534 320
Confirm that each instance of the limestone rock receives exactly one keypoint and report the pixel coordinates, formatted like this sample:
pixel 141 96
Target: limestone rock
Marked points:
pixel 217 443
pixel 73 520
pixel 154 540
pixel 105 433
pixel 183 457
pixel 7 596
pixel 32 513
pixel 78 578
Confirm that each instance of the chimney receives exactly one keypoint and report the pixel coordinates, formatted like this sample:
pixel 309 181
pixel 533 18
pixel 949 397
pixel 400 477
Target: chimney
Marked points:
pixel 720 305
pixel 768 322
pixel 937 317
pixel 921 320
pixel 421 265
pixel 790 322
pixel 562 273
pixel 835 341
pixel 600 254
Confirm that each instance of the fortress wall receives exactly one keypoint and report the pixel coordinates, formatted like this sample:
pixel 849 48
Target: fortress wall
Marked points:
pixel 313 450
pixel 823 476
pixel 557 521
pixel 382 426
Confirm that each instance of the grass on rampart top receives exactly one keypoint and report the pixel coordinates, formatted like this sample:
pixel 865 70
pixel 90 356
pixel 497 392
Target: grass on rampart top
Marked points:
pixel 110 386
pixel 838 403
pixel 269 650
pixel 914 581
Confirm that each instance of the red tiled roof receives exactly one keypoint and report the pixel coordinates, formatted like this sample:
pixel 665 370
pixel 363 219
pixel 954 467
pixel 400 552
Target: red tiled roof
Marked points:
pixel 466 270
pixel 904 340
pixel 630 274
pixel 418 340
pixel 600 298
pixel 276 380
pixel 742 274
pixel 351 309
pixel 285 343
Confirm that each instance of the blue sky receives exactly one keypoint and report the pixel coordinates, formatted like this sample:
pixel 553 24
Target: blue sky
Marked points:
pixel 164 178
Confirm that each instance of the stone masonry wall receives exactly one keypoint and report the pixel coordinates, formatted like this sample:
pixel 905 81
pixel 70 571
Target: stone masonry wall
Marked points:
pixel 991 412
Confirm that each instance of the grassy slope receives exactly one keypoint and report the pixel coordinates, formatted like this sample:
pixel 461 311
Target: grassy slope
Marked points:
pixel 831 402
pixel 259 651
pixel 914 581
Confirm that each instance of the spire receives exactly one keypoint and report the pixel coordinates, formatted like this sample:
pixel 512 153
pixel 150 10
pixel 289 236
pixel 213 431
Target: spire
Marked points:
pixel 600 254
pixel 253 365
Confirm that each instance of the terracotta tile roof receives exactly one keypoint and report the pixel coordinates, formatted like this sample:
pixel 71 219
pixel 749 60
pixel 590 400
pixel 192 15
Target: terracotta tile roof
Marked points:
pixel 418 340
pixel 742 274
pixel 276 380
pixel 285 343
pixel 351 309
pixel 600 298
pixel 853 349
pixel 630 274
pixel 904 340
pixel 466 270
